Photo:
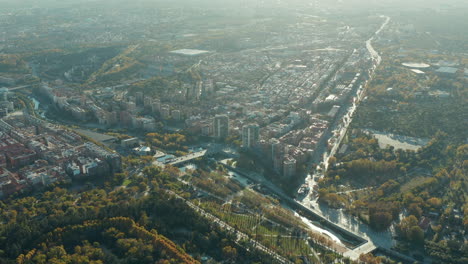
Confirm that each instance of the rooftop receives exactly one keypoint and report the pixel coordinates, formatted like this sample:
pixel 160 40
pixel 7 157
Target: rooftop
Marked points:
pixel 416 65
pixel 96 136
pixel 189 52
pixel 450 70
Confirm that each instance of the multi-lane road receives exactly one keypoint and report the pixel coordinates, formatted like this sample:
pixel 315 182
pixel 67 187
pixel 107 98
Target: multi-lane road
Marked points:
pixel 18 87
pixel 373 239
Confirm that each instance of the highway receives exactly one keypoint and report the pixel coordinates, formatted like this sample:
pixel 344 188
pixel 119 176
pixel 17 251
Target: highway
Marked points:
pixel 374 54
pixel 348 117
pixel 18 87
pixel 347 222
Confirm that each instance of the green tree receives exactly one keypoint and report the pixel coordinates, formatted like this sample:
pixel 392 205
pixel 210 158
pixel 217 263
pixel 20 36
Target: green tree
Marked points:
pixel 230 253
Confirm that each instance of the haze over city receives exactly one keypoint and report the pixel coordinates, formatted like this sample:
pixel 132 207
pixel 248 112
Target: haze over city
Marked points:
pixel 233 131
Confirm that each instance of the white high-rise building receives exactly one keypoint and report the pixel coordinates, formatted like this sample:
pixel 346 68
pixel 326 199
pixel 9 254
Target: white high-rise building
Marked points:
pixel 250 135
pixel 277 148
pixel 221 126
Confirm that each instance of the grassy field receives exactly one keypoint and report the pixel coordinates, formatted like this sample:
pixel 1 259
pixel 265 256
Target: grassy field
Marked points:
pixel 126 182
pixel 286 241
pixel 415 182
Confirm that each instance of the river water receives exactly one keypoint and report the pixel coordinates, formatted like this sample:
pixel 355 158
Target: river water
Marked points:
pixel 36 107
pixel 245 182
pixel 36 102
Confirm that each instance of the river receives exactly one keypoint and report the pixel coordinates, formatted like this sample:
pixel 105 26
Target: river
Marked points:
pixel 246 182
pixel 37 104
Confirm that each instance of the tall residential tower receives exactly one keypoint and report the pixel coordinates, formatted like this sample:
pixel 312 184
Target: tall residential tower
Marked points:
pixel 221 126
pixel 250 135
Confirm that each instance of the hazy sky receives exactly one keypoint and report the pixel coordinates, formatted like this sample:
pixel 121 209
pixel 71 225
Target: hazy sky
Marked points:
pixel 352 6
pixel 338 3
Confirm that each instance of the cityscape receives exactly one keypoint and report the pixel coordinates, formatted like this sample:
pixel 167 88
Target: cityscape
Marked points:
pixel 253 132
